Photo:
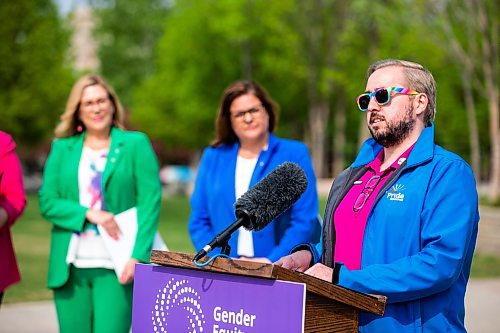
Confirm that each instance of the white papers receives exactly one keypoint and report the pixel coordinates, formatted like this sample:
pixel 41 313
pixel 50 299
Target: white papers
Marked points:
pixel 120 250
pixel 159 243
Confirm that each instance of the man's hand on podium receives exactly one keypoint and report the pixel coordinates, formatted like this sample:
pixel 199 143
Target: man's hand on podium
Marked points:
pixel 321 272
pixel 301 260
pixel 297 261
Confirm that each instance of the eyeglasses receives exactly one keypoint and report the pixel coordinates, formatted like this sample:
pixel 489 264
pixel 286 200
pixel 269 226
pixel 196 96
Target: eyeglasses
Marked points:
pixel 365 193
pixel 382 96
pixel 101 102
pixel 240 115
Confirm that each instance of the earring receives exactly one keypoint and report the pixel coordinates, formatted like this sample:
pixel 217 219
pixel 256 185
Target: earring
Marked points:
pixel 79 128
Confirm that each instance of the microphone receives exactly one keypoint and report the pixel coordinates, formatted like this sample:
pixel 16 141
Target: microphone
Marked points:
pixel 264 202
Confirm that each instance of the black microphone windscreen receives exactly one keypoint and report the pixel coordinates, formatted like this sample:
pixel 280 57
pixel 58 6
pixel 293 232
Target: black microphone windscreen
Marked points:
pixel 271 196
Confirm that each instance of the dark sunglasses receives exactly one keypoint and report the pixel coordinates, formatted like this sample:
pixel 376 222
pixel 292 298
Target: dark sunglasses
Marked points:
pixel 382 96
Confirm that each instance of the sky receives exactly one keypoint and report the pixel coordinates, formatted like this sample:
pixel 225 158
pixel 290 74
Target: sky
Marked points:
pixel 65 6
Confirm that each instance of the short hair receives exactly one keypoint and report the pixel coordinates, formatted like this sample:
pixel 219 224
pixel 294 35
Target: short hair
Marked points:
pixel 70 121
pixel 224 132
pixel 419 78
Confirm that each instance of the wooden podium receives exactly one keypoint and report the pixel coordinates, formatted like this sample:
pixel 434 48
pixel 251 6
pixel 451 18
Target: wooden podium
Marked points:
pixel 329 308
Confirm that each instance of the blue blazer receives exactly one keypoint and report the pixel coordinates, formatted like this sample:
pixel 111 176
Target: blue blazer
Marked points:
pixel 214 196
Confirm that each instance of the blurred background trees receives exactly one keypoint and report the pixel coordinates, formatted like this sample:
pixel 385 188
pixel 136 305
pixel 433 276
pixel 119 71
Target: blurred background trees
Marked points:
pixel 170 61
pixel 35 77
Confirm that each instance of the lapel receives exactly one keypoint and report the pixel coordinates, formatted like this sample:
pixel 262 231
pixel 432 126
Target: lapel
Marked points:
pixel 232 156
pixel 71 162
pixel 115 154
pixel 264 159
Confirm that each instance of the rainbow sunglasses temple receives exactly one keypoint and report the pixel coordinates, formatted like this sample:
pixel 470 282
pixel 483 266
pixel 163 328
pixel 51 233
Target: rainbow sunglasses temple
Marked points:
pixel 387 96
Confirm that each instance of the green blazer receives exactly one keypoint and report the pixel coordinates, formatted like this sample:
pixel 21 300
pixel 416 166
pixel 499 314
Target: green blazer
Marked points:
pixel 130 179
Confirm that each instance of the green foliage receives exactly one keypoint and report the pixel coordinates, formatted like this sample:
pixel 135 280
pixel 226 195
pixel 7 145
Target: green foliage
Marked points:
pixel 173 64
pixel 177 104
pixel 206 46
pixel 34 80
pixel 127 32
pixel 171 60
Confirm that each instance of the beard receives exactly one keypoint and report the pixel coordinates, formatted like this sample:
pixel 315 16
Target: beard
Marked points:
pixel 396 131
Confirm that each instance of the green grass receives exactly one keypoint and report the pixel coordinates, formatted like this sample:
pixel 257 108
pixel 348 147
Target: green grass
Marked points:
pixel 484 200
pixel 173 224
pixel 484 266
pixel 32 241
pixel 32 238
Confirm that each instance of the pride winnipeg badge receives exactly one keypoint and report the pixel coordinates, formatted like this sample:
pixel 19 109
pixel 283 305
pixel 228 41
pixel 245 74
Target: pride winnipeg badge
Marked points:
pixel 395 193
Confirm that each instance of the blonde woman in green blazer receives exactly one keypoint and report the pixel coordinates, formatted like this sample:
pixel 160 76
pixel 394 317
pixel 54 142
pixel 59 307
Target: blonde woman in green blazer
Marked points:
pixel 94 171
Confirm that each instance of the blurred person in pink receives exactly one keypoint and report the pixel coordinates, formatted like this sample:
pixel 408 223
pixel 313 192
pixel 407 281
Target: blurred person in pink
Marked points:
pixel 12 203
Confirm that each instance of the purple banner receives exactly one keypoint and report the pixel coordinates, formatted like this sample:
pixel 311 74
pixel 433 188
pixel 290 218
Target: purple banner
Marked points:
pixel 174 300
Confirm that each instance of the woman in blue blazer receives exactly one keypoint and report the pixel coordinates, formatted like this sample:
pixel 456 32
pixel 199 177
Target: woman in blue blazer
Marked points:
pixel 243 152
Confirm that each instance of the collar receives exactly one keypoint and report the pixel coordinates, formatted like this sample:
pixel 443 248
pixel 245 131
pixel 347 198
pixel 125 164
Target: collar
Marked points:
pixel 116 136
pixel 272 143
pixel 262 160
pixel 377 162
pixel 422 151
pixel 78 139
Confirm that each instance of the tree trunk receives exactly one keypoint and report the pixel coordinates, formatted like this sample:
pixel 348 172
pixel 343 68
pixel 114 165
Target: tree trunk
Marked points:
pixel 318 119
pixel 495 148
pixel 322 22
pixel 339 136
pixel 475 150
pixel 364 133
pixel 489 47
pixel 373 54
pixel 246 60
pixel 494 193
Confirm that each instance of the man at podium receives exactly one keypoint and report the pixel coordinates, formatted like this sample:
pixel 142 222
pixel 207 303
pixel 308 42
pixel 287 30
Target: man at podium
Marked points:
pixel 402 220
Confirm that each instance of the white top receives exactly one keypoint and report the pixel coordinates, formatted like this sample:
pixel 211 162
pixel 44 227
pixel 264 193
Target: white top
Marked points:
pixel 243 176
pixel 87 249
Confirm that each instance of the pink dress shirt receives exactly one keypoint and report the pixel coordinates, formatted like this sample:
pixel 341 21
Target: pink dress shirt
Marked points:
pixel 350 223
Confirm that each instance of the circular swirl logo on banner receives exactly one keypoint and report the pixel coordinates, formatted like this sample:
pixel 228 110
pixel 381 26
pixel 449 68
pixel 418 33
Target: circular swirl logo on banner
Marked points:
pixel 177 309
